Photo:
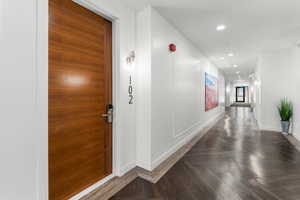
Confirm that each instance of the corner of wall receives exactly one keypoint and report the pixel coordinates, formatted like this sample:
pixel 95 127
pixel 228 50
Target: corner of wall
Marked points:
pixel 143 106
pixel 126 169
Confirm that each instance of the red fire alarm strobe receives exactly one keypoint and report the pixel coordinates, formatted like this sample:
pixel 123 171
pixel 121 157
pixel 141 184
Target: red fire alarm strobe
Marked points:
pixel 172 47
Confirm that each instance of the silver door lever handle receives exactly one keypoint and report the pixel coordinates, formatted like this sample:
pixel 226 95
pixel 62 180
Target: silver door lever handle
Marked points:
pixel 109 116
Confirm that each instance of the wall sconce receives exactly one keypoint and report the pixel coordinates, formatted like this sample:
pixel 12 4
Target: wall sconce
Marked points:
pixel 130 59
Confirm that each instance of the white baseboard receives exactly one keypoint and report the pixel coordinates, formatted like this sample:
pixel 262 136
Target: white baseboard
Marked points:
pixel 91 188
pixel 269 128
pixel 126 169
pixel 296 136
pixel 294 141
pixel 185 140
pixel 186 131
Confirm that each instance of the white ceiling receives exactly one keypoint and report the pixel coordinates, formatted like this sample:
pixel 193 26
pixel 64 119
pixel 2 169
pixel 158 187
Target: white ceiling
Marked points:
pixel 251 27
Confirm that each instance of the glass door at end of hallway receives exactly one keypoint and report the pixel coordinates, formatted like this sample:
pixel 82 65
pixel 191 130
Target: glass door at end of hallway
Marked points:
pixel 240 94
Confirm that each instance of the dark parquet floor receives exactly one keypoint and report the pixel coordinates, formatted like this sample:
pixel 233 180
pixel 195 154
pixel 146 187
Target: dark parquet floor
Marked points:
pixel 234 161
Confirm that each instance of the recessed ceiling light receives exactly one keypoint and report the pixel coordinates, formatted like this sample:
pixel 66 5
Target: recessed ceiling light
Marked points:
pixel 221 27
pixel 235 65
pixel 230 54
pixel 222 58
pixel 237 72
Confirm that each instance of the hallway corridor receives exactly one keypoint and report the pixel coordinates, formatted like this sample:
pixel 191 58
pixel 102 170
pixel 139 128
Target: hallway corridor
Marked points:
pixel 233 161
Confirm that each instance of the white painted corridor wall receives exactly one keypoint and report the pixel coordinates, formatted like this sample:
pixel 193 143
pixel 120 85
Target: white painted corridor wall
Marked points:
pixel 176 89
pixel 19 139
pixel 178 94
pixel 279 73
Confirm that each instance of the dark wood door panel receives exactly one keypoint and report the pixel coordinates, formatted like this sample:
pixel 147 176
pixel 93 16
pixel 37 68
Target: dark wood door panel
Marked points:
pixel 80 84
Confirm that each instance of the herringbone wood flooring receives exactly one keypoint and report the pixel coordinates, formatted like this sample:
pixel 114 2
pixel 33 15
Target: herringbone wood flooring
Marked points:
pixel 234 161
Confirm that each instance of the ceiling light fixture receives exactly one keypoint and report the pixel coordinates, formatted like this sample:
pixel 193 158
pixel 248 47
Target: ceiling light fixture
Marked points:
pixel 235 65
pixel 237 72
pixel 230 54
pixel 222 58
pixel 221 27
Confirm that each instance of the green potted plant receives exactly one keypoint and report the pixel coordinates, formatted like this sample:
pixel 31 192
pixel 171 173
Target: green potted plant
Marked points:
pixel 285 109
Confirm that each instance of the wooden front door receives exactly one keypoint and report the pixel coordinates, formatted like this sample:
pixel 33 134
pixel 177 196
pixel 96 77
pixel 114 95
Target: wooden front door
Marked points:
pixel 80 90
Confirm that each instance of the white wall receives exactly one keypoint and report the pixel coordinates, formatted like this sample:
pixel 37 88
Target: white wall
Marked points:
pixel 177 90
pixel 279 73
pixel 24 96
pixel 143 114
pixel 20 114
pixel 178 95
pixel 256 85
pixel 228 90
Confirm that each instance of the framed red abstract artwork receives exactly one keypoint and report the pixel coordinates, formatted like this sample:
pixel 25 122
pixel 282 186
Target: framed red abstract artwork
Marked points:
pixel 211 92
